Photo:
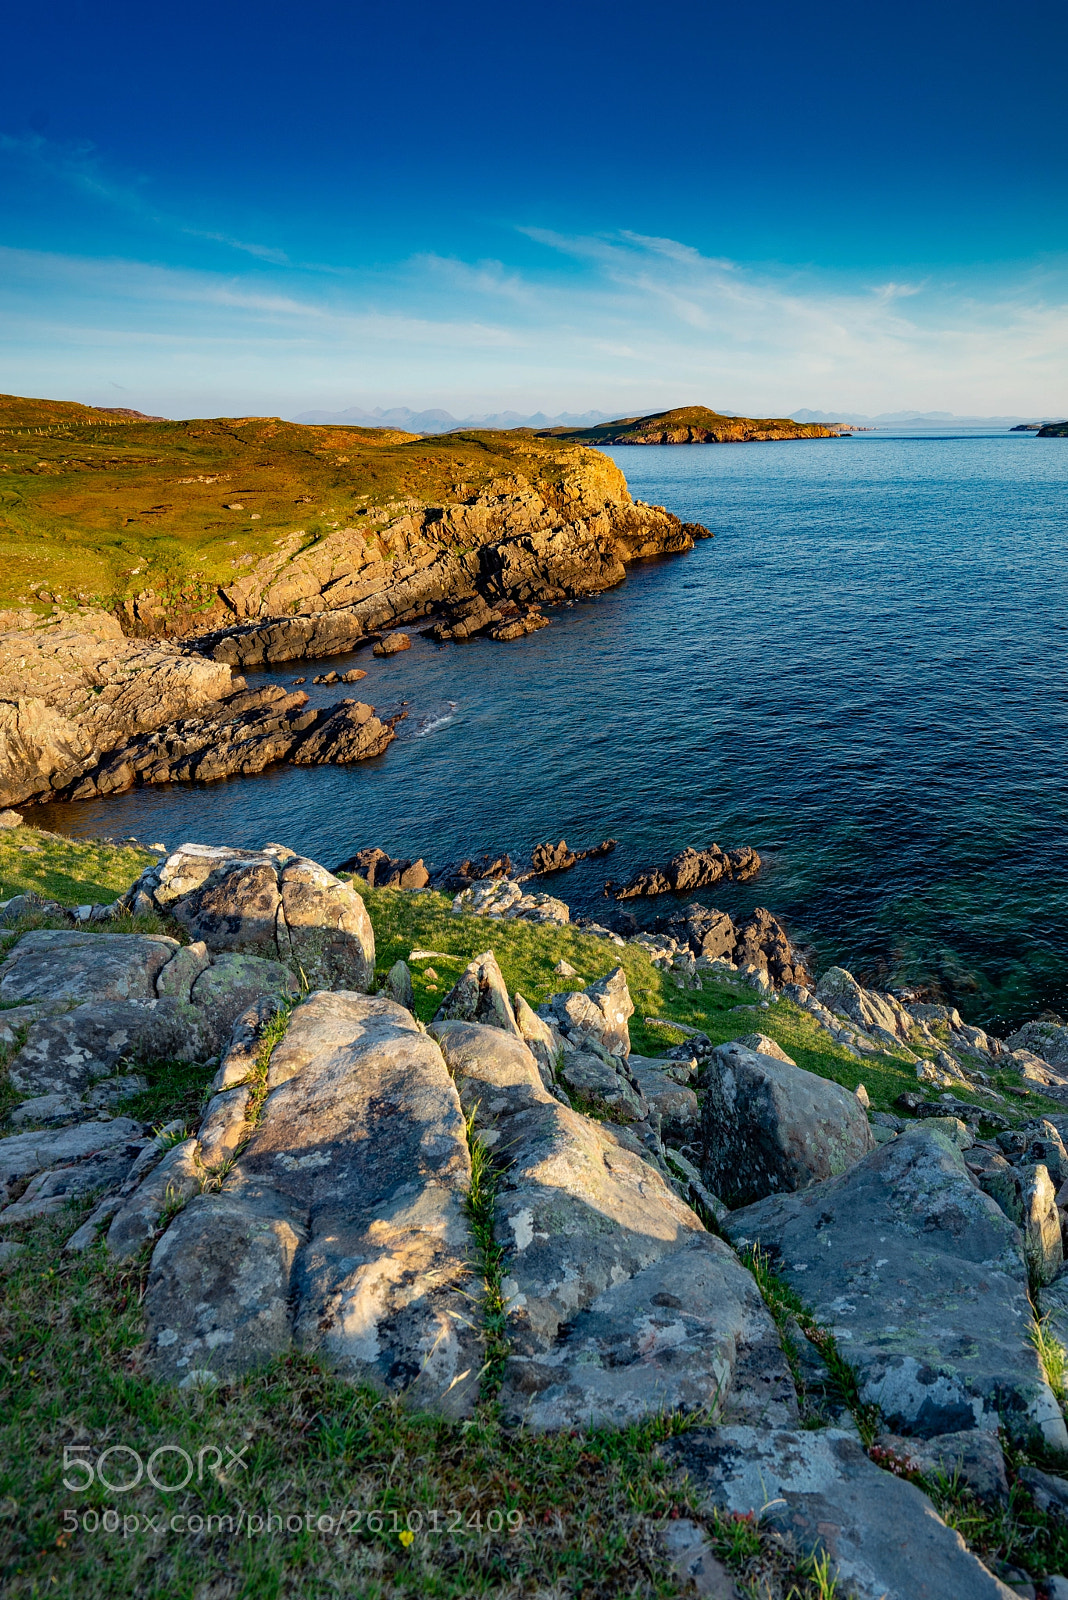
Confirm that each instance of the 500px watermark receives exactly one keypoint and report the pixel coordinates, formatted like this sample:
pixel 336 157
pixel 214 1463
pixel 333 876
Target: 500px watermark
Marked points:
pixel 169 1468
pixel 403 1525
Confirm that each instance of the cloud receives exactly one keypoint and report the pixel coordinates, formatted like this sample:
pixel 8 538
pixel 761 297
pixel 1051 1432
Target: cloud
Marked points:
pixel 617 322
pixel 77 167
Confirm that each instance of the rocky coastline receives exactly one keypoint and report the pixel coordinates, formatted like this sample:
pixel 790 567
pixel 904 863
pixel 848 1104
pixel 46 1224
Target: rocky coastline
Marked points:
pixel 92 703
pixel 834 1303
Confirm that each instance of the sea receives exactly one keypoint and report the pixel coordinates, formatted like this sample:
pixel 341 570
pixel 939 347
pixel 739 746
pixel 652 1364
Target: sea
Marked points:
pixel 864 674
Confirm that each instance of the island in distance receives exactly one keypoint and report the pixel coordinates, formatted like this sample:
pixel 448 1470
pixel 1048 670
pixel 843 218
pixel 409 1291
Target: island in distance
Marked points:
pixel 696 425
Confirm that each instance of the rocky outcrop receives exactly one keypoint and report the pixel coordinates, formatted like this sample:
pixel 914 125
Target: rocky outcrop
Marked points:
pixel 74 688
pixel 242 734
pixel 269 903
pixel 487 563
pixel 767 1126
pixel 692 869
pixel 105 714
pixel 504 897
pixel 819 1490
pixel 380 871
pixel 480 995
pixel 922 1278
pixel 695 425
pixel 548 858
pixel 132 999
pixel 594 1019
pixel 619 1304
pixel 341 1228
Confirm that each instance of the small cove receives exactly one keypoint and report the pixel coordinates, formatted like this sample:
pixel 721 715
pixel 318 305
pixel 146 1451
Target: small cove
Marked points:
pixel 867 668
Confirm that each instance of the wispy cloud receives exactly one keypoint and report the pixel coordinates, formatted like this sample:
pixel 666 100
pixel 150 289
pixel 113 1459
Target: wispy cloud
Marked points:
pixel 79 168
pixel 614 321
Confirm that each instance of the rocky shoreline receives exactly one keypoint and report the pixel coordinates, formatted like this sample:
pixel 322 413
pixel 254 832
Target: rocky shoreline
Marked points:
pixel 837 1298
pixel 92 703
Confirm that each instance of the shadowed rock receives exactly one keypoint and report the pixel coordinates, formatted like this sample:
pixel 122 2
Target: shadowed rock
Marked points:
pixel 619 1303
pixel 882 1534
pixel 768 1126
pixel 922 1279
pixel 269 903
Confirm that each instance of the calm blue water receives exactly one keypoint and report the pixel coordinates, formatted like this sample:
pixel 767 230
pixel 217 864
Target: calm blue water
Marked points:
pixel 867 667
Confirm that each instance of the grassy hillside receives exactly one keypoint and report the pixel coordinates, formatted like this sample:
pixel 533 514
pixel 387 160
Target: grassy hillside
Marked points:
pixel 692 425
pixel 1054 430
pixel 96 506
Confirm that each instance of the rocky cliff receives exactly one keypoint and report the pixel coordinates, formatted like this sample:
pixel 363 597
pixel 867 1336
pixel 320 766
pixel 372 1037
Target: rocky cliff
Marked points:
pixel 126 681
pixel 478 562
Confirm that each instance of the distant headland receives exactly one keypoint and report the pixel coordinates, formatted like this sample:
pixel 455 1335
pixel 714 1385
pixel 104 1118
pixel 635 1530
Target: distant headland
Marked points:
pixel 695 425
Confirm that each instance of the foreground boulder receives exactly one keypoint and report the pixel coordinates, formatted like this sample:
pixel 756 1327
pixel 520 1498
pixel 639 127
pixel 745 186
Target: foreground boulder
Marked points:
pixel 23 1155
pixel 922 1279
pixel 142 998
pixel 270 903
pixel 768 1126
pixel 882 1534
pixel 619 1303
pixel 341 1228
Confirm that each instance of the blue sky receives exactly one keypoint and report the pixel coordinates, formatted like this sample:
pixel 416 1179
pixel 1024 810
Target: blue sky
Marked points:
pixel 216 208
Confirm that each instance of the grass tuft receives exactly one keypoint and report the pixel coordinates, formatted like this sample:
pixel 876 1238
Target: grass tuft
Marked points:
pixel 480 1207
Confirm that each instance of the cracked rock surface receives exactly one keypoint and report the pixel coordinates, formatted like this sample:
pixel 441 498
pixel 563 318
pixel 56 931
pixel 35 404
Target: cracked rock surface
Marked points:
pixel 341 1228
pixel 921 1277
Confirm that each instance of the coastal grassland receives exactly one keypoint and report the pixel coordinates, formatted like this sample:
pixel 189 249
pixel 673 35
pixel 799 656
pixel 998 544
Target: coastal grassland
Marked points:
pixel 584 1507
pixel 76 872
pixel 97 509
pixel 724 1008
pixel 72 871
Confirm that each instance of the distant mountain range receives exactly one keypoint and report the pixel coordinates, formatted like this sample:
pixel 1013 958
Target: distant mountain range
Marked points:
pixel 443 421
pixel 917 419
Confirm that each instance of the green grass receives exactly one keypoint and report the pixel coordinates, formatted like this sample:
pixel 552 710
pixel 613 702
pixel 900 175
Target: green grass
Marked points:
pixel 72 871
pixel 480 1203
pixel 528 952
pixel 586 1508
pixel 94 510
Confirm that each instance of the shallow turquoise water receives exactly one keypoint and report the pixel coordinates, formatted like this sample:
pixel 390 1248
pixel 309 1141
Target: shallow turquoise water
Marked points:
pixel 867 667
